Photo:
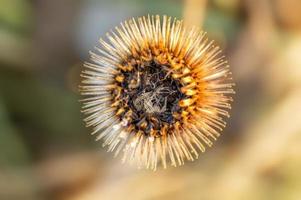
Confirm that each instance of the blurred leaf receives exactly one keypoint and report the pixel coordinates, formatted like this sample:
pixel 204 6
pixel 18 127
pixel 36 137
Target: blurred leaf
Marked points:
pixel 221 26
pixel 13 151
pixel 15 14
pixel 46 113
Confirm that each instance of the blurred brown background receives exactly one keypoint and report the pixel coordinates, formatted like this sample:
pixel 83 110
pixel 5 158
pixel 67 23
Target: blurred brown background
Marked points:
pixel 46 153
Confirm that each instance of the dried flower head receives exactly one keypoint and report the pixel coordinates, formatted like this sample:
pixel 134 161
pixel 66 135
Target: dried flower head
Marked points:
pixel 156 91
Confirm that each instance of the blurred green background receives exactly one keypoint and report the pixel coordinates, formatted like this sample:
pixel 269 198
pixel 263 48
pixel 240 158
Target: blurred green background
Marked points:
pixel 47 153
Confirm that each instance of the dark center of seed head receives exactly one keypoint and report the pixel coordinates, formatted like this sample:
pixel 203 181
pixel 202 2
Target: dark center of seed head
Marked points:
pixel 152 94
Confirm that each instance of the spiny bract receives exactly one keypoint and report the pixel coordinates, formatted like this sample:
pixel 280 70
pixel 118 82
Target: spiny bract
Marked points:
pixel 156 91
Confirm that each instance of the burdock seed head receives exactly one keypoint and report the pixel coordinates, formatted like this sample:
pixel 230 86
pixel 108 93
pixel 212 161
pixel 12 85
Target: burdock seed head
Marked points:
pixel 156 91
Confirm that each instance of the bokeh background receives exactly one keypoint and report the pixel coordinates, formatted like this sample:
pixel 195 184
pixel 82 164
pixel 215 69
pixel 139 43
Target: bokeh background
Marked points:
pixel 47 153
